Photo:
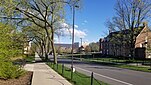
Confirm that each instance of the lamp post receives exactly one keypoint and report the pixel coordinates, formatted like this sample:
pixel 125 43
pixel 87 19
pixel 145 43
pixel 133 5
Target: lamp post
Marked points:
pixel 81 42
pixel 72 41
pixel 73 9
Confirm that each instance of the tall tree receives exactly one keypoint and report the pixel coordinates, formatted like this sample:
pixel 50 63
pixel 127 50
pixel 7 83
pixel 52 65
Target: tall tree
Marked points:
pixel 43 13
pixel 38 37
pixel 129 15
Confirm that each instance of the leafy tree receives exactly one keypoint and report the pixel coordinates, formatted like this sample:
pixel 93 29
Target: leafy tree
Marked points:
pixel 43 13
pixel 94 47
pixel 87 49
pixel 38 37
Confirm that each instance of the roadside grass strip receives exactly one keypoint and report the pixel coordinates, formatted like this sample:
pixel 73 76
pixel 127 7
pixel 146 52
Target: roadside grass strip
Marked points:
pixel 78 78
pixel 120 65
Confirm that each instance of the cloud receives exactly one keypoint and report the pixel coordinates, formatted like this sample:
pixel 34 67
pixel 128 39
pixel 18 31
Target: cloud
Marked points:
pixel 61 25
pixel 56 39
pixel 85 30
pixel 76 26
pixel 84 22
pixel 78 33
pixel 66 30
pixel 85 44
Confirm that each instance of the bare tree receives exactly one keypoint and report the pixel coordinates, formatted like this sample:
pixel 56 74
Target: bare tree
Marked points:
pixel 129 15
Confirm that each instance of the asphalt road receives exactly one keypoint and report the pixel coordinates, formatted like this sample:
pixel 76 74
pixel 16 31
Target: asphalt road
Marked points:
pixel 111 75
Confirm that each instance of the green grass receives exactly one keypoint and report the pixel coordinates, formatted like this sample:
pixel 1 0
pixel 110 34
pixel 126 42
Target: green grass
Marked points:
pixel 122 65
pixel 113 60
pixel 29 59
pixel 78 78
pixel 137 68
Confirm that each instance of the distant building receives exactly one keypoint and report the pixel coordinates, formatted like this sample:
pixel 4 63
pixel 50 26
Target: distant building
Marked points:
pixel 115 45
pixel 75 45
pixel 68 47
pixel 27 47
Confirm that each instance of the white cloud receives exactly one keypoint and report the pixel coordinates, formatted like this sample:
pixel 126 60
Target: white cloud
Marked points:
pixel 78 33
pixel 64 25
pixel 85 30
pixel 61 25
pixel 85 44
pixel 56 39
pixel 85 21
pixel 76 26
pixel 66 30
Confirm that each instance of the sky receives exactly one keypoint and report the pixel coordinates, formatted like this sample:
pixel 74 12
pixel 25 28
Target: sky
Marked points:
pixel 89 21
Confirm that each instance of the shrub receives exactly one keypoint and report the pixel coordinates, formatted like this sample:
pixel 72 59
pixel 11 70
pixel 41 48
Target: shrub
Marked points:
pixel 10 71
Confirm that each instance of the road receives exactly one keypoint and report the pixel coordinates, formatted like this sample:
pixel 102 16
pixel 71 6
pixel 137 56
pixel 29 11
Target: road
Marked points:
pixel 111 75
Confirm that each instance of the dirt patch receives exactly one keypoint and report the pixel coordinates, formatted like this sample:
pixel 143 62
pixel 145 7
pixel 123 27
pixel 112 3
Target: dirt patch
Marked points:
pixel 23 80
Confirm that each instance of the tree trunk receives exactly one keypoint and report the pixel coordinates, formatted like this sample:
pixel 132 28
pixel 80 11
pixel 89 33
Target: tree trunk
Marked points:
pixel 46 56
pixel 42 50
pixel 132 48
pixel 47 47
pixel 47 42
pixel 53 47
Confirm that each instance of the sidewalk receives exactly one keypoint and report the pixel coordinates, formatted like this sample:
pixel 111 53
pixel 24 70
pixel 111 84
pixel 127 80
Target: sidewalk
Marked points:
pixel 44 75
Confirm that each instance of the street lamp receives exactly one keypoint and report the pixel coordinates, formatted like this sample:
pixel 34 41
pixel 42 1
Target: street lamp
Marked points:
pixel 81 42
pixel 73 9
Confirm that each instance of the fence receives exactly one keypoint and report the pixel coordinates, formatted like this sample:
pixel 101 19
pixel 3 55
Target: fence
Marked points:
pixel 77 77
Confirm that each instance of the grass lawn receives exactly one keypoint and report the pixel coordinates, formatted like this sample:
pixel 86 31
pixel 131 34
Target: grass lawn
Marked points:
pixel 23 60
pixel 122 65
pixel 115 60
pixel 137 68
pixel 29 59
pixel 78 78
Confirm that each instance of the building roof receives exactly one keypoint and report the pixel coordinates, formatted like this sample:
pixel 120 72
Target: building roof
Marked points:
pixel 127 31
pixel 123 34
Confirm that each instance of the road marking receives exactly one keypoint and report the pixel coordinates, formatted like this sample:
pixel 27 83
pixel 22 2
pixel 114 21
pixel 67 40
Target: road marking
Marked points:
pixel 105 76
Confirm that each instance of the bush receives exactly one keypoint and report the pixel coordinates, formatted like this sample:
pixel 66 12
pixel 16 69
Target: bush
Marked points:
pixel 10 71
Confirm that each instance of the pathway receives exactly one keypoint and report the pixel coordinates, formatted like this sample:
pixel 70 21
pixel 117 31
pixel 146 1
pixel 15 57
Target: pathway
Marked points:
pixel 44 75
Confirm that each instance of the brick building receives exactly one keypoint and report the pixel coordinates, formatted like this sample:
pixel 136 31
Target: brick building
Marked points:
pixel 117 43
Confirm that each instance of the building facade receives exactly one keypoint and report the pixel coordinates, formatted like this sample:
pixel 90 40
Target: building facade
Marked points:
pixel 116 43
pixel 67 47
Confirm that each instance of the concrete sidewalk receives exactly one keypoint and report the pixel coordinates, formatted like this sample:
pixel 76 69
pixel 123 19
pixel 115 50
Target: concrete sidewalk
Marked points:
pixel 44 75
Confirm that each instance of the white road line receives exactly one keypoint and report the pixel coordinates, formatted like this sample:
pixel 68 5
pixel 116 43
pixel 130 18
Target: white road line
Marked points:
pixel 105 76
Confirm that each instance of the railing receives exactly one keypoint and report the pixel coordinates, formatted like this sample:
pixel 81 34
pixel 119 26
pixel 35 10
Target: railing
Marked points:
pixel 62 70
